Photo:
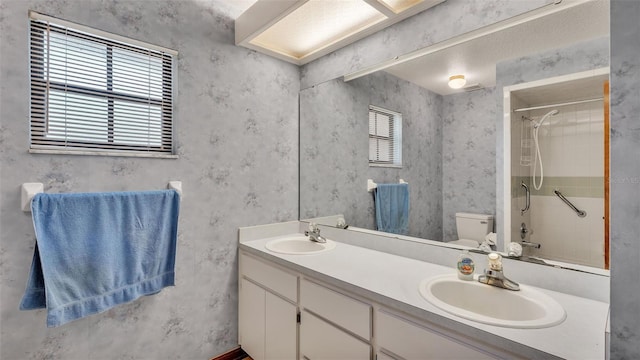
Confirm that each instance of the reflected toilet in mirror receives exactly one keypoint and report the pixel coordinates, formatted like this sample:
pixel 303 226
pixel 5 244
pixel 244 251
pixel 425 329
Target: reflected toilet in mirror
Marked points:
pixel 472 229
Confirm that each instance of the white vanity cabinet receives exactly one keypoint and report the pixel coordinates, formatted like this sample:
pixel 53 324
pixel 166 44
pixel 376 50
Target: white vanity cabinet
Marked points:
pixel 333 325
pixel 267 314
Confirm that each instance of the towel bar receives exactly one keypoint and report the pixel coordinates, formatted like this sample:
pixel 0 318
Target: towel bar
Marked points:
pixel 371 185
pixel 29 190
pixel 175 185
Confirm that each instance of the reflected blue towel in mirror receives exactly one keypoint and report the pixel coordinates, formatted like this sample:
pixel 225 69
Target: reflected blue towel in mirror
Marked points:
pixel 392 208
pixel 98 250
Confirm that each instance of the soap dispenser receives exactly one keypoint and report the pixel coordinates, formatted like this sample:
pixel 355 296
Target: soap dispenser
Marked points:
pixel 465 266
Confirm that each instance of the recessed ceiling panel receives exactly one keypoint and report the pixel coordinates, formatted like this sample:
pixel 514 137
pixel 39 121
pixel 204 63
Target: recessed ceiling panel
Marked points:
pixel 317 24
pixel 399 6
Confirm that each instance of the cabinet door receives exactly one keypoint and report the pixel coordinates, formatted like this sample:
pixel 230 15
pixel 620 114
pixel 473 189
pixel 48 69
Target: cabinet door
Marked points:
pixel 251 322
pixel 320 340
pixel 281 328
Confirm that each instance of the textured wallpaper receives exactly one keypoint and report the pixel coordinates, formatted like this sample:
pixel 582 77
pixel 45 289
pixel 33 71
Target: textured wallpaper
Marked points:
pixel 334 147
pixel 468 156
pixel 237 135
pixel 625 179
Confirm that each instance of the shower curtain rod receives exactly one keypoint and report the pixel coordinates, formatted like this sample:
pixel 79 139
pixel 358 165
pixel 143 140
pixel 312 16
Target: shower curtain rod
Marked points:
pixel 556 105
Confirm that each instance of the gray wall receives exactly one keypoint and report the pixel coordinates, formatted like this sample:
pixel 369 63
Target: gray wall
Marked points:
pixel 237 140
pixel 468 156
pixel 334 164
pixel 625 179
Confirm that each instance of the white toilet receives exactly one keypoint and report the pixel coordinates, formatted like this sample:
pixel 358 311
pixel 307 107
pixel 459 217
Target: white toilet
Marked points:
pixel 472 228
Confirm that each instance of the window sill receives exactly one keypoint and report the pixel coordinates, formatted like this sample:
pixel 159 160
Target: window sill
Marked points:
pixel 386 165
pixel 104 153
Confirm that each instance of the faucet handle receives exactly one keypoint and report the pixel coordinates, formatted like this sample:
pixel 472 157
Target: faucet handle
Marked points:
pixel 495 261
pixel 313 227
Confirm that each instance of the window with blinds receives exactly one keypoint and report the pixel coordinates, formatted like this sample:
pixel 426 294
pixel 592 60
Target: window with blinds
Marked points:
pixel 385 137
pixel 98 93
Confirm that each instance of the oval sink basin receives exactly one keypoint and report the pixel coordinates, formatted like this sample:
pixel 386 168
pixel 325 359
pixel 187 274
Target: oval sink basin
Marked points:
pixel 527 308
pixel 299 245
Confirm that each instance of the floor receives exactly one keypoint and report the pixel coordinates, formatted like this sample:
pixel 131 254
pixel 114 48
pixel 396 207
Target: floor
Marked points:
pixel 235 354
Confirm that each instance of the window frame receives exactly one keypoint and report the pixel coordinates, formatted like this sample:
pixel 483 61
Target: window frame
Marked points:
pixel 394 138
pixel 40 79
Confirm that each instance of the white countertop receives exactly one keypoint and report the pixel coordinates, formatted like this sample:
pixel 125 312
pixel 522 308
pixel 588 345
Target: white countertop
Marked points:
pixel 393 281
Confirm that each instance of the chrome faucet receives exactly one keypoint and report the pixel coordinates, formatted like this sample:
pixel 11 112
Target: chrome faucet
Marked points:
pixel 523 236
pixel 526 243
pixel 494 275
pixel 314 234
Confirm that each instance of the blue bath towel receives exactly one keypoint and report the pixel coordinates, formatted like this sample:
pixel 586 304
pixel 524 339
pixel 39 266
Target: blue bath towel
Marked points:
pixel 98 250
pixel 392 208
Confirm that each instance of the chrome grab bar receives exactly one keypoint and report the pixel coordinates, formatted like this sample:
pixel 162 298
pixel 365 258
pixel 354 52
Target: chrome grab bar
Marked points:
pixel 581 213
pixel 527 201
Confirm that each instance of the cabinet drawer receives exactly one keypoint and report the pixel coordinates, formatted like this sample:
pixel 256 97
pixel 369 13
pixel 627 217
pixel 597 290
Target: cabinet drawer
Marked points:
pixel 321 341
pixel 276 280
pixel 342 310
pixel 411 341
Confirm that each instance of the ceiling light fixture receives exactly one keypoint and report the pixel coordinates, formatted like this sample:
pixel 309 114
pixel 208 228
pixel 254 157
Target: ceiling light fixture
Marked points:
pixel 457 81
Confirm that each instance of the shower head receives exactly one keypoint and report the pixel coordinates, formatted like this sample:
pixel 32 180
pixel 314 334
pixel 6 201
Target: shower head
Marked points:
pixel 550 113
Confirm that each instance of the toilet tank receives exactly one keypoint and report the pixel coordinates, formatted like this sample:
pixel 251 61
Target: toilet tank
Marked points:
pixel 473 226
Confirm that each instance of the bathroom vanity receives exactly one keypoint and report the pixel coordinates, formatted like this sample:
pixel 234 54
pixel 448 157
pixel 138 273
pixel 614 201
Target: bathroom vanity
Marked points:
pixel 351 302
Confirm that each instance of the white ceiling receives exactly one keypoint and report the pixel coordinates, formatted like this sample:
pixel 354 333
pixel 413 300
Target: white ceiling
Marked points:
pixel 477 59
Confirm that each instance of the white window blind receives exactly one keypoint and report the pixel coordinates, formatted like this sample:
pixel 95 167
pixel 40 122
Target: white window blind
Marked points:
pixel 385 137
pixel 97 93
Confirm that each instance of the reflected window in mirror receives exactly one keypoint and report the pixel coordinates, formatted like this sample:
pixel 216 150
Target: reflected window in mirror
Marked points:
pixel 385 137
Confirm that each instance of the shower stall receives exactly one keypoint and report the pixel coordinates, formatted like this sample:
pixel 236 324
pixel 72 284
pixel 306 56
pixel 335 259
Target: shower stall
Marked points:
pixel 558 169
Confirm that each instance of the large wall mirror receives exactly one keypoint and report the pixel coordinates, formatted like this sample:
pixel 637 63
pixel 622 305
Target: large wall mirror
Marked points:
pixel 455 142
